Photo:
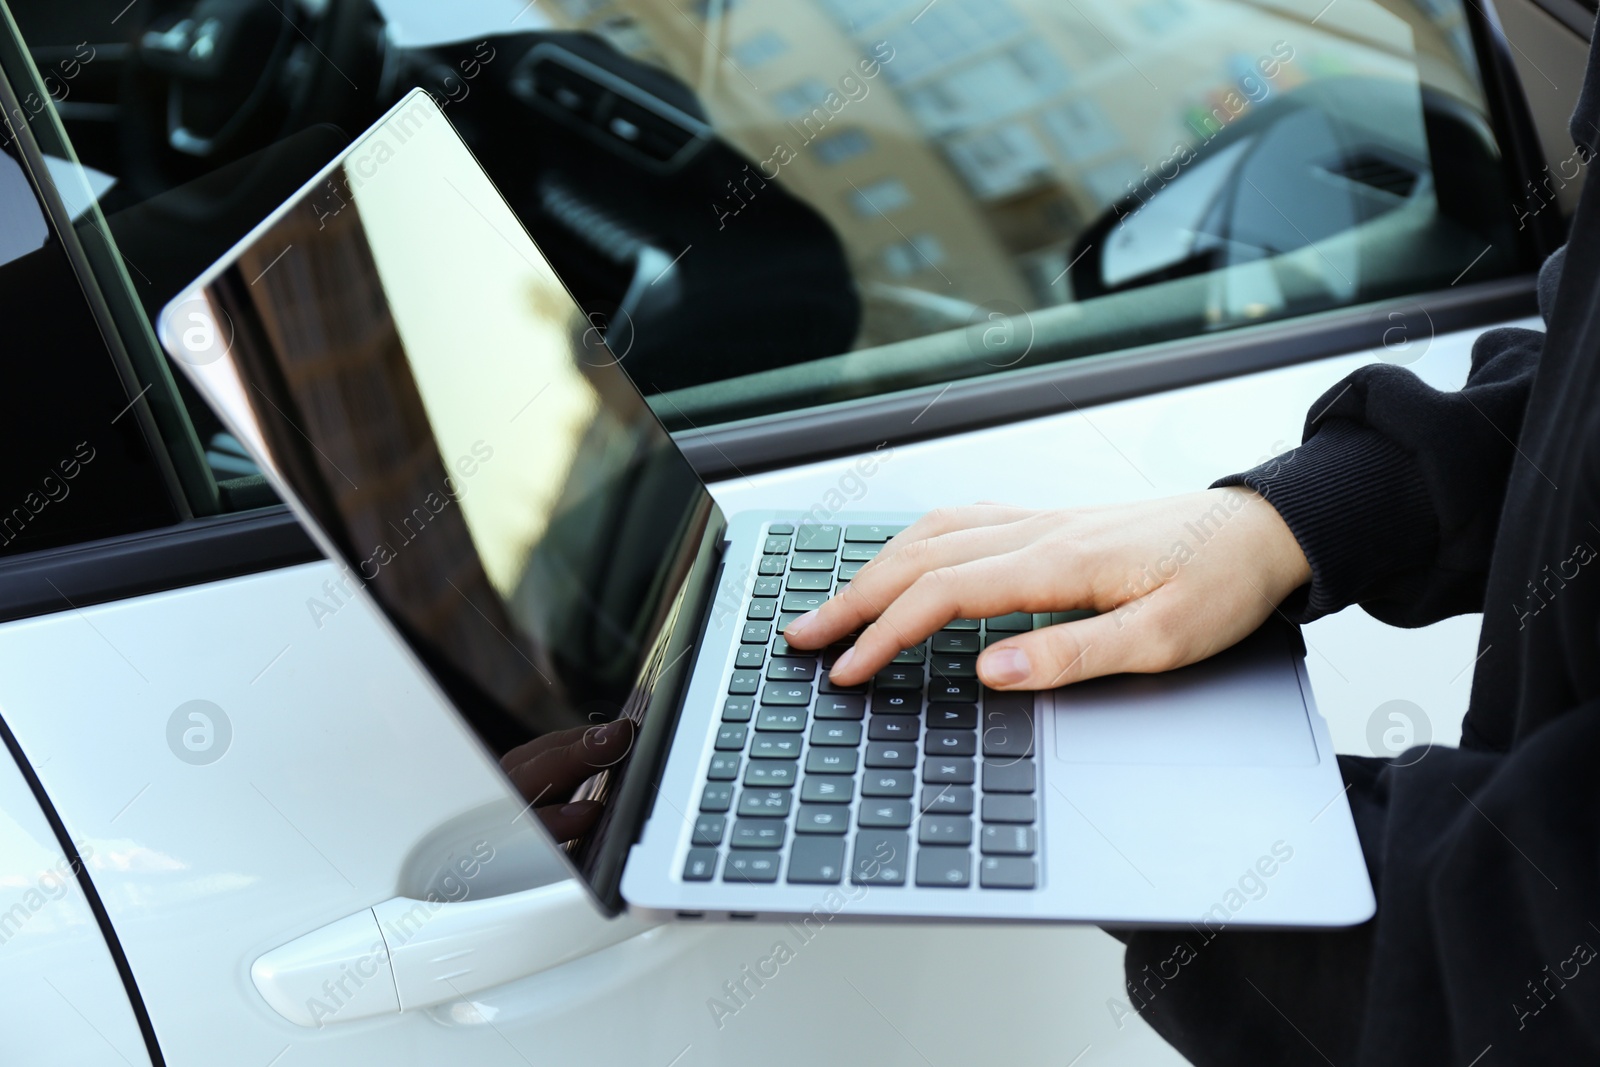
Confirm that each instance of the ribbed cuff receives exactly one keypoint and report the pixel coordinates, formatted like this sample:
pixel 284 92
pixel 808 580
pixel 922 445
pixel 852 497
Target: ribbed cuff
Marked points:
pixel 1359 507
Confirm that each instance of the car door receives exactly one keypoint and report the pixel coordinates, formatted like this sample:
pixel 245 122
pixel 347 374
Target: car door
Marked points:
pixel 257 777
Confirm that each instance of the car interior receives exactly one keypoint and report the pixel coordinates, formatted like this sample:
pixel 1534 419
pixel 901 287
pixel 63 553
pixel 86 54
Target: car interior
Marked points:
pixel 766 206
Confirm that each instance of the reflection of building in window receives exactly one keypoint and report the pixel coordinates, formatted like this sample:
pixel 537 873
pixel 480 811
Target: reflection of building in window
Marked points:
pixel 759 49
pixel 1001 161
pixel 799 99
pixel 1081 129
pixel 880 197
pixel 908 257
pixel 846 144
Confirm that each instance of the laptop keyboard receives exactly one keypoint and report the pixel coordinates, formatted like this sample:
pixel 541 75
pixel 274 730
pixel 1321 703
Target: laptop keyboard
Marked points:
pixel 922 777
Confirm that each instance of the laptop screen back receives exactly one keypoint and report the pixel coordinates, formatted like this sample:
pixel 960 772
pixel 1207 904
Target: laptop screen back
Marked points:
pixel 430 394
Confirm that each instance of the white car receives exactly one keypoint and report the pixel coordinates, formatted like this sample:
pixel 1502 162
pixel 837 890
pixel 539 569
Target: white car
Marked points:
pixel 1047 253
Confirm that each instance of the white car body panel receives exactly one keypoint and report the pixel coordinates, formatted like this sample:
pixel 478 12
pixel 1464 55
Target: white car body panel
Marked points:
pixel 342 773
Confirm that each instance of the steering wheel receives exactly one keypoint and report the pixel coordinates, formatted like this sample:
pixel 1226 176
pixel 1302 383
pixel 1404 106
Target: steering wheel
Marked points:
pixel 210 81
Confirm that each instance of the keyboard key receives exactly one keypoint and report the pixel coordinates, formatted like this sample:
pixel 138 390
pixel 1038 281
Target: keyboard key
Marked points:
pixel 822 819
pixel 780 528
pixel 910 655
pixel 765 803
pixel 878 534
pixel 750 658
pixel 804 581
pixel 744 683
pixel 770 566
pixel 785 619
pixel 701 866
pixel 831 761
pixel 802 602
pixel 731 738
pixel 894 728
pixel 718 797
pixel 961 624
pixel 816 860
pixel 708 830
pixel 724 767
pixel 891 754
pixel 776 546
pixel 884 814
pixel 840 706
pixel 955 644
pixel 769 774
pixel 751 866
pixel 1007 872
pixel 828 685
pixel 1007 776
pixel 848 571
pixel 1008 841
pixel 836 733
pixel 1010 808
pixel 859 553
pixel 738 709
pixel 781 647
pixel 948 867
pixel 761 609
pixel 953 716
pixel 880 857
pixel 781 720
pixel 831 654
pixel 812 561
pixel 955 691
pixel 944 830
pixel 888 784
pixel 1017 622
pixel 896 703
pixel 827 789
pixel 775 746
pixel 758 833
pixel 951 742
pixel 817 539
pixel 892 677
pixel 954 667
pixel 767 587
pixel 786 694
pixel 1008 725
pixel 941 770
pixel 757 633
pixel 947 799
pixel 791 670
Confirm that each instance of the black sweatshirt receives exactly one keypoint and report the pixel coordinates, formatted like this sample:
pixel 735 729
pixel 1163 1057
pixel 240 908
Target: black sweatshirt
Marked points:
pixel 1417 505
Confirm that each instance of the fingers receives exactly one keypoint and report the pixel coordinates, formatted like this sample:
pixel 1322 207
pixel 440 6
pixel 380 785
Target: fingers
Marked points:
pixel 903 562
pixel 993 585
pixel 1142 636
pixel 567 822
pixel 552 770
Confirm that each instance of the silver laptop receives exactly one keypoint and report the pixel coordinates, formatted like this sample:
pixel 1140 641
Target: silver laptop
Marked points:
pixel 419 386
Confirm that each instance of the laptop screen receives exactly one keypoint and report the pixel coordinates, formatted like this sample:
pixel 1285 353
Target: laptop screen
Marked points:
pixel 425 387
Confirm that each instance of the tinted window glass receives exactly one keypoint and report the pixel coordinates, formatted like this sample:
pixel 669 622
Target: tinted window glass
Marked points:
pixel 767 204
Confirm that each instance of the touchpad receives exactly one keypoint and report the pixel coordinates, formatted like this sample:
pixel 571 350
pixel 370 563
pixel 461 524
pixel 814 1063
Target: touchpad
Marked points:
pixel 1242 708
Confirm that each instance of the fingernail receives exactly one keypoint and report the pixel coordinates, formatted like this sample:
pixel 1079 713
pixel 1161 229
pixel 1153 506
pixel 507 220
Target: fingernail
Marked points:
pixel 615 728
pixel 801 623
pixel 843 662
pixel 1005 665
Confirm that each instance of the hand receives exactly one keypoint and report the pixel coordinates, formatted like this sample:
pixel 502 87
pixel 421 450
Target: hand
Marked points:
pixel 548 768
pixel 1174 580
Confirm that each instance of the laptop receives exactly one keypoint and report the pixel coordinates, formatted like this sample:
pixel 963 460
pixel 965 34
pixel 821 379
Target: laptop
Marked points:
pixel 416 382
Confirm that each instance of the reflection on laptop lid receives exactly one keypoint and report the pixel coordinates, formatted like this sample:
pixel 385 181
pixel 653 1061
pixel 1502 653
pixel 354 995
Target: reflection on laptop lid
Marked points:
pixel 434 401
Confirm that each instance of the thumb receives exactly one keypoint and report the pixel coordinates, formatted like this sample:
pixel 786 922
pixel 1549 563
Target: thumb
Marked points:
pixel 1134 637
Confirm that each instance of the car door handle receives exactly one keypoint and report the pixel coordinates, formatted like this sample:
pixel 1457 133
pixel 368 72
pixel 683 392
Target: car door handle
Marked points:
pixel 406 954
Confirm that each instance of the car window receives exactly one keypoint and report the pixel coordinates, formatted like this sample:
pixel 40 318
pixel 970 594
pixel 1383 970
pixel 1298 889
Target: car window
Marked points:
pixel 766 205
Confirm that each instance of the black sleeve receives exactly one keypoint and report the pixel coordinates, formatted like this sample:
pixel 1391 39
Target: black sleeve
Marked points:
pixel 1487 869
pixel 1395 492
